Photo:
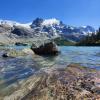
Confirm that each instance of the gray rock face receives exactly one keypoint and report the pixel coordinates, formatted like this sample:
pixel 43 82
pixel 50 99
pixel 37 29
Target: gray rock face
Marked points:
pixel 23 32
pixel 37 23
pixel 5 28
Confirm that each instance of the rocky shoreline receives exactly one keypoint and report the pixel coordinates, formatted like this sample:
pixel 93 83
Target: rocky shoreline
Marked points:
pixel 74 82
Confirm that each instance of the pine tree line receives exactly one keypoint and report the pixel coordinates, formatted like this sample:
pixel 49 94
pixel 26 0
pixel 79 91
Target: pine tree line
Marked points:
pixel 93 40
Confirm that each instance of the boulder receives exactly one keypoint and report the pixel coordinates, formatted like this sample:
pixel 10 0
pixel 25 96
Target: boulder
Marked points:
pixel 28 51
pixel 46 49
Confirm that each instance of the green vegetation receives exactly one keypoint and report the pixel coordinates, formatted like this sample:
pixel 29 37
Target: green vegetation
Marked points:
pixel 63 42
pixel 93 40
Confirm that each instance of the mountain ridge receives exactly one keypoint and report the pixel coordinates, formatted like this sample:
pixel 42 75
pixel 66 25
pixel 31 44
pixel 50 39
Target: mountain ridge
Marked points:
pixel 46 22
pixel 45 28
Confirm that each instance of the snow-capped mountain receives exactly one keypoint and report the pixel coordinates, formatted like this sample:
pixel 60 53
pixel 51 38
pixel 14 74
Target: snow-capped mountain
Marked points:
pixel 56 27
pixel 45 27
pixel 14 23
pixel 51 22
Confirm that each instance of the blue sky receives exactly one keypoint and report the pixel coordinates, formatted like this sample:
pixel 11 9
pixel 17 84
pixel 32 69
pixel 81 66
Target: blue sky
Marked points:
pixel 71 12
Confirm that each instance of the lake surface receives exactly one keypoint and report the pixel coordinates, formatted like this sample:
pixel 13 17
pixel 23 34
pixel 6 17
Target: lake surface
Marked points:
pixel 86 56
pixel 14 70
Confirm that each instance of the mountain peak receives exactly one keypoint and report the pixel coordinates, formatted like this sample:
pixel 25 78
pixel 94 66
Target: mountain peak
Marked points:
pixel 51 22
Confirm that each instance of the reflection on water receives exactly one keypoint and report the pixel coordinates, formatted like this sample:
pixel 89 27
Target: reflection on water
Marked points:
pixel 13 71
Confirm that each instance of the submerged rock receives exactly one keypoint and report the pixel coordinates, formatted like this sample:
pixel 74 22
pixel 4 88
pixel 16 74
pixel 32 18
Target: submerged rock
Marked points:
pixel 72 83
pixel 20 44
pixel 49 48
pixel 17 53
pixel 5 55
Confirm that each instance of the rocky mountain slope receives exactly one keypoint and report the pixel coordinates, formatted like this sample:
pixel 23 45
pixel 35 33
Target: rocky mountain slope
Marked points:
pixel 11 31
pixel 55 27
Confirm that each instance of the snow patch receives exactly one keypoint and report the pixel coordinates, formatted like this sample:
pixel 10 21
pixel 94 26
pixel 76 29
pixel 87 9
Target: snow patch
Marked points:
pixel 84 26
pixel 14 23
pixel 27 25
pixel 51 22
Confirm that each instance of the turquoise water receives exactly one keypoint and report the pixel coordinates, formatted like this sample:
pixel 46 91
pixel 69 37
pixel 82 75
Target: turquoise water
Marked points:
pixel 25 66
pixel 14 70
pixel 87 56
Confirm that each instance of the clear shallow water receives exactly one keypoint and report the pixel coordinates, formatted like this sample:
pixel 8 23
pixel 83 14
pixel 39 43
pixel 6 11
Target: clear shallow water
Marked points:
pixel 87 56
pixel 15 70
